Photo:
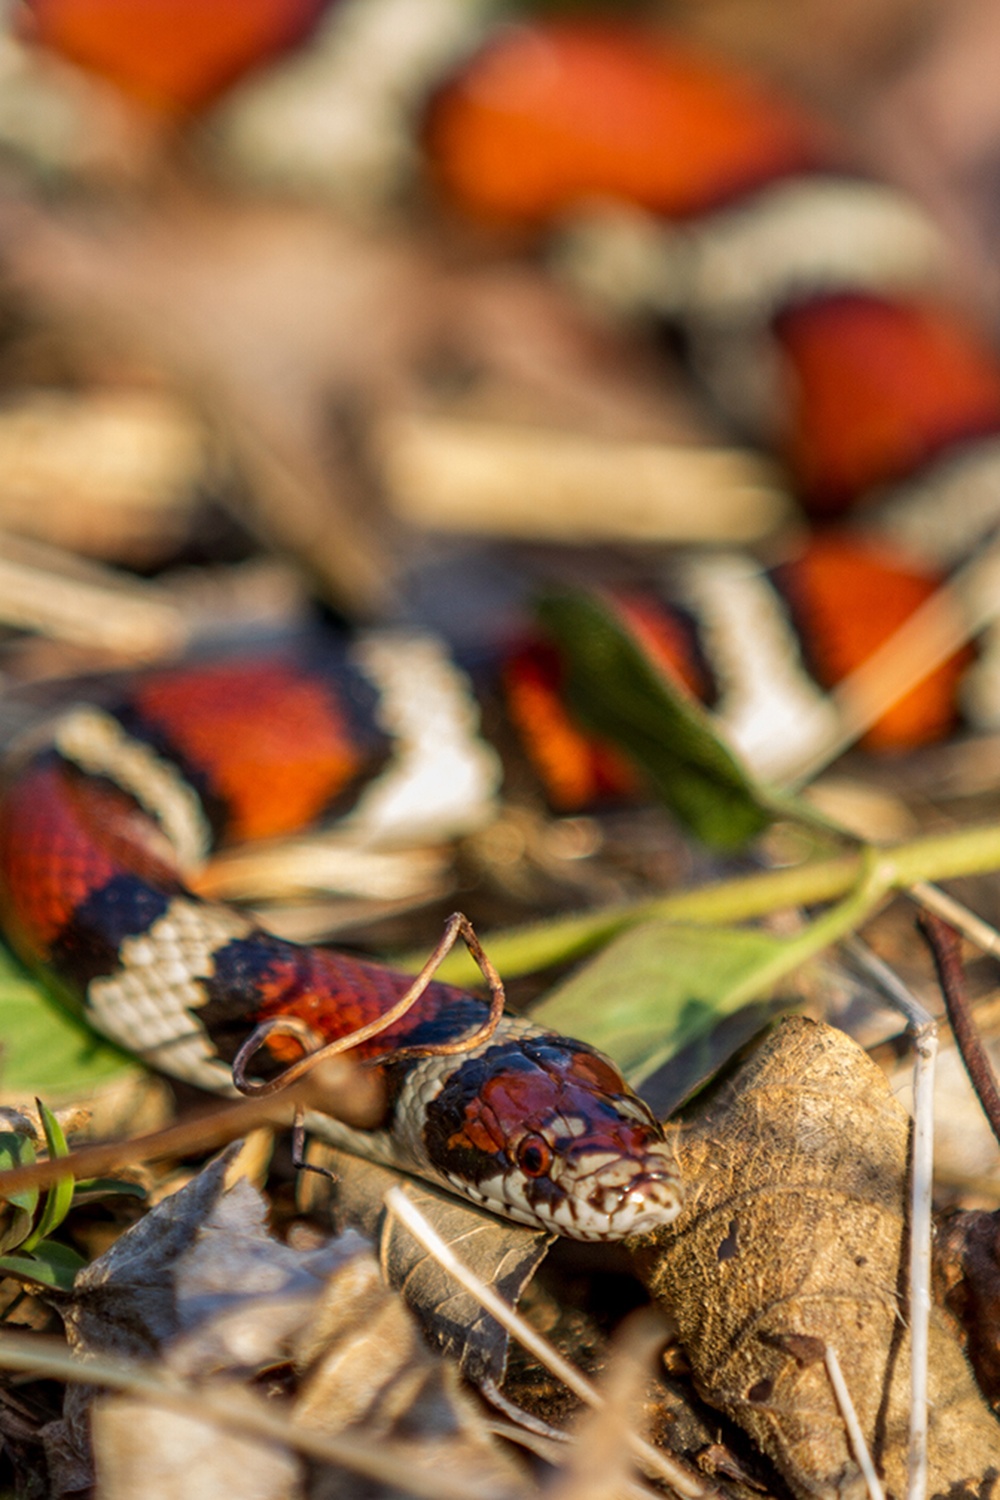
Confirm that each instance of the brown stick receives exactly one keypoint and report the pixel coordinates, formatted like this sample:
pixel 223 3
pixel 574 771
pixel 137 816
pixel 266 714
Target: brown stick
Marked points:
pixel 346 1093
pixel 945 945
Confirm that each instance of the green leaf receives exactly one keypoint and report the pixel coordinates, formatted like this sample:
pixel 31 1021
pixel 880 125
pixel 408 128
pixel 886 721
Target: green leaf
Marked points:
pixel 540 945
pixel 658 988
pixel 51 1265
pixel 622 695
pixel 662 985
pixel 15 1225
pixel 45 1048
pixel 99 1189
pixel 59 1198
pixel 55 1139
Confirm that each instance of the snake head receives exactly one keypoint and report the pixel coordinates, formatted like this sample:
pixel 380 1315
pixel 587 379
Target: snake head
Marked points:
pixel 545 1130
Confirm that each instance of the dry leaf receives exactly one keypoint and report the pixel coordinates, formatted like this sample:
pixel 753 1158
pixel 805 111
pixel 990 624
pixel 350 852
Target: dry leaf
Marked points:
pixel 200 1284
pixel 793 1240
pixel 502 1254
pixel 361 1365
pixel 364 1364
pixel 187 1267
pixel 967 1281
pixel 67 1457
pixel 143 1449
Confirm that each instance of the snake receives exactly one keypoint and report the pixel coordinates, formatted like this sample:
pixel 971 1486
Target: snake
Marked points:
pixel 106 813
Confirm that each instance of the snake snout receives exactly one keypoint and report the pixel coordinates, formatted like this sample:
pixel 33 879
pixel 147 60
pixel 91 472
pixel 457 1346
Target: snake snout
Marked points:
pixel 635 1193
pixel 658 1193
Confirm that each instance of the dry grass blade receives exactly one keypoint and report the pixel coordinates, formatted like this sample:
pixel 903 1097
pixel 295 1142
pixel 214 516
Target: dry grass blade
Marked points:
pixel 499 477
pixel 857 1437
pixel 236 1410
pixel 687 1484
pixel 303 511
pixel 47 590
pixel 930 898
pixel 553 1451
pixel 599 1464
pixel 322 864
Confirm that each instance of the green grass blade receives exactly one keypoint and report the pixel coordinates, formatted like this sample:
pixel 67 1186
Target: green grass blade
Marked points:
pixel 60 1196
pixel 536 946
pixel 662 985
pixel 16 1221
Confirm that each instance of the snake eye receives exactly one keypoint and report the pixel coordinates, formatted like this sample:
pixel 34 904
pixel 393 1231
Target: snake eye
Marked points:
pixel 533 1156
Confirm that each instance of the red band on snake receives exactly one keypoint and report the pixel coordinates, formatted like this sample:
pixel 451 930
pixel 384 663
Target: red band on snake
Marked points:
pixel 101 824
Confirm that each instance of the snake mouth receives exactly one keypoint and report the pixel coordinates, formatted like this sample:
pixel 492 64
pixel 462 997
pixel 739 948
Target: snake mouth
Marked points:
pixel 628 1194
pixel 650 1201
pixel 653 1199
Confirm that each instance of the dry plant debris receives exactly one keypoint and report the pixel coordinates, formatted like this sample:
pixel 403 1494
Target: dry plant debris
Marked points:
pixel 113 474
pixel 298 332
pixel 967 1279
pixel 201 1286
pixel 367 383
pixel 505 1255
pixel 794 1242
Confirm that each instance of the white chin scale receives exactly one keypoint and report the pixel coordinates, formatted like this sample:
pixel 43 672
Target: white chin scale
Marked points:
pixel 611 1214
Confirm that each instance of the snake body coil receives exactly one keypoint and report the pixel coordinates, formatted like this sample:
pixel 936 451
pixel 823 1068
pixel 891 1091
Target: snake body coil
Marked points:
pixel 99 826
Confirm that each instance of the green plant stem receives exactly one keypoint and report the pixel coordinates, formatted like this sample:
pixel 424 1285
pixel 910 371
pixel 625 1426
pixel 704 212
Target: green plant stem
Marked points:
pixel 858 904
pixel 934 857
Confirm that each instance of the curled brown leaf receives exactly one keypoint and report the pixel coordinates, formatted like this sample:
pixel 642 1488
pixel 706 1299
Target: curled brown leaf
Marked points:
pixel 794 1240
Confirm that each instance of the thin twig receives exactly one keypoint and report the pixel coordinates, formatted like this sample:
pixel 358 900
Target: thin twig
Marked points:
pixel 678 1475
pixel 920 1254
pixel 349 1094
pixel 849 1413
pixel 518 1415
pixel 931 898
pixel 917 1015
pixel 456 924
pixel 944 944
pixel 924 1032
